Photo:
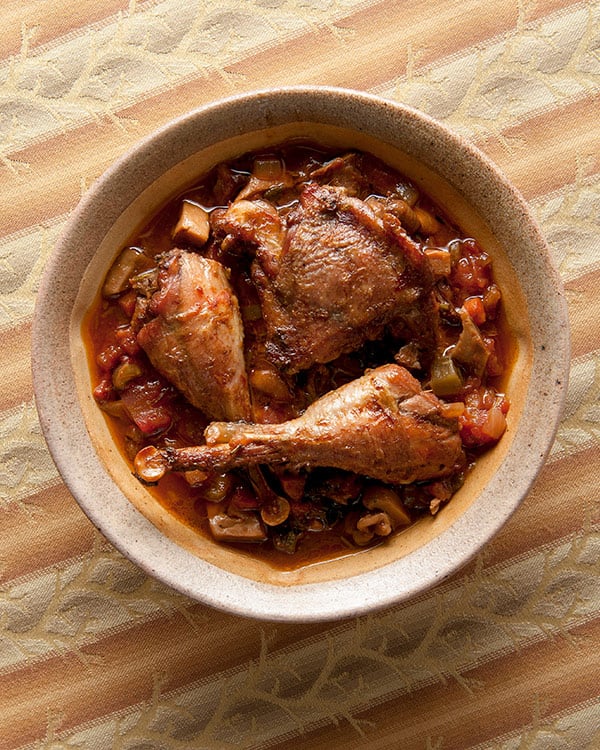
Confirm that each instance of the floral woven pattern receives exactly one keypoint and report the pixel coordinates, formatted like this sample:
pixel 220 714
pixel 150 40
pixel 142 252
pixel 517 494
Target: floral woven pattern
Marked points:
pixel 93 654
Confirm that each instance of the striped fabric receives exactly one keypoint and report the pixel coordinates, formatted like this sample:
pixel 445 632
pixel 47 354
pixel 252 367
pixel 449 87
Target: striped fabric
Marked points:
pixel 95 655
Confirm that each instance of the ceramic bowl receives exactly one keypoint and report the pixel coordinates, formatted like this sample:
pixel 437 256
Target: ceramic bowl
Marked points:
pixel 485 206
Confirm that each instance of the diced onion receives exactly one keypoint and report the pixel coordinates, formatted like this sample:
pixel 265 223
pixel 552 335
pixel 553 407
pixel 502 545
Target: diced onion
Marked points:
pixel 495 424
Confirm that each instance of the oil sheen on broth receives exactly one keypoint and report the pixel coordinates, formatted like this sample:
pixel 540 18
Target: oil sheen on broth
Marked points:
pixel 301 354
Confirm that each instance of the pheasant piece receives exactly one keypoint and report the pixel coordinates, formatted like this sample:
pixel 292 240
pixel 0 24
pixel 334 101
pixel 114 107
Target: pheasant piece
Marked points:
pixel 196 338
pixel 382 425
pixel 332 277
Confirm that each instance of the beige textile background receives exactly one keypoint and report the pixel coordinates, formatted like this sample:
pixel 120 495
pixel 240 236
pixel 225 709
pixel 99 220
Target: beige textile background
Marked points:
pixel 93 654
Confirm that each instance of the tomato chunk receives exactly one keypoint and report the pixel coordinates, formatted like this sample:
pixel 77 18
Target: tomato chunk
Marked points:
pixel 148 405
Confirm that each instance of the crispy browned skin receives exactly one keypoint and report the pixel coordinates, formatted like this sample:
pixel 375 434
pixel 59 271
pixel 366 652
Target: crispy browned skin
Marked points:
pixel 382 425
pixel 332 278
pixel 196 338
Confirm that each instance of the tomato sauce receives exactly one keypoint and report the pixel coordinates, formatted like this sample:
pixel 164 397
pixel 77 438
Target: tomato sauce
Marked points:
pixel 325 505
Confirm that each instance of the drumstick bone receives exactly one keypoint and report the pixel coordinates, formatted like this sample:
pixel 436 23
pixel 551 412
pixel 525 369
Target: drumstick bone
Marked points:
pixel 382 425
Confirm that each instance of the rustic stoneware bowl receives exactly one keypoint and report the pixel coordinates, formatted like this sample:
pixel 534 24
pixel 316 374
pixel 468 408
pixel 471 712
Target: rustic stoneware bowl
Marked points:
pixel 484 205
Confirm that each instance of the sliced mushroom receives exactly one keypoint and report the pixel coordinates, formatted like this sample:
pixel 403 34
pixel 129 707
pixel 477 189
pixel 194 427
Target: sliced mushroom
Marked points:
pixel 129 262
pixel 381 498
pixel 269 383
pixel 366 527
pixel 428 224
pixel 150 465
pixel 116 409
pixel 275 511
pixel 193 226
pixel 379 524
pixel 241 526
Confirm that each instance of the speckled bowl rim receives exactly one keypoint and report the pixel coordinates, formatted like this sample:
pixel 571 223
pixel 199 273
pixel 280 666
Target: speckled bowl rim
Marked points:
pixel 130 532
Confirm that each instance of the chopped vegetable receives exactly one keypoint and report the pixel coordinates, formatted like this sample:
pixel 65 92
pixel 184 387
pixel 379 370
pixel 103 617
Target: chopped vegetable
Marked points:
pixel 268 168
pixel 249 217
pixel 440 260
pixel 147 405
pixel 446 379
pixel 476 309
pixel 470 349
pixel 124 373
pixel 495 424
pixel 217 488
pixel 491 300
pixel 428 224
pixel 193 226
pixel 268 175
pixel 238 527
pixel 380 497
pixel 125 266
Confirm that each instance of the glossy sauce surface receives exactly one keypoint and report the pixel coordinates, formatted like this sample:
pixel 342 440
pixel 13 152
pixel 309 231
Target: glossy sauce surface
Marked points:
pixel 325 504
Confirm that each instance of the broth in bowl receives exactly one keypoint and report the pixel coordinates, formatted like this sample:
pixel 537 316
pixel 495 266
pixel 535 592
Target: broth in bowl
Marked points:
pixel 319 362
pixel 301 354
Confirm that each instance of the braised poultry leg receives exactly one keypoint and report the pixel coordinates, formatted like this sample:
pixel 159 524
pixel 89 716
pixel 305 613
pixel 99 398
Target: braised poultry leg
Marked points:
pixel 382 425
pixel 196 337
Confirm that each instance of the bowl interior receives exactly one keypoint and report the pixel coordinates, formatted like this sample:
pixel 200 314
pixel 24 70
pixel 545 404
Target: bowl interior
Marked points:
pixel 474 194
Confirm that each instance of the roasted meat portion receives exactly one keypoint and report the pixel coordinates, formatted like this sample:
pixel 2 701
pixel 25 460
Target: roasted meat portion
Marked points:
pixel 195 338
pixel 382 425
pixel 337 330
pixel 332 275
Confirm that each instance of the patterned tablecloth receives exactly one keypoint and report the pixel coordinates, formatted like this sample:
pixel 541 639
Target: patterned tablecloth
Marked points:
pixel 93 654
